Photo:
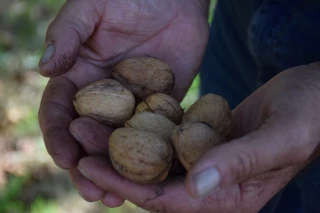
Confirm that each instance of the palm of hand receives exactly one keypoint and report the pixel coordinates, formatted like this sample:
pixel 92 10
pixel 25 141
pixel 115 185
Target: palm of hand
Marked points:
pixel 162 30
pixel 171 30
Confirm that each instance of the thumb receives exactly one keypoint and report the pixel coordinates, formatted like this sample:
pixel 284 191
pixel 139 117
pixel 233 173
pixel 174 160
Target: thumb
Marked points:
pixel 273 146
pixel 72 26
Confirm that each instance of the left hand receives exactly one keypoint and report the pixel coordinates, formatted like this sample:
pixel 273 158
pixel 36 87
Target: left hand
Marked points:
pixel 277 135
pixel 87 38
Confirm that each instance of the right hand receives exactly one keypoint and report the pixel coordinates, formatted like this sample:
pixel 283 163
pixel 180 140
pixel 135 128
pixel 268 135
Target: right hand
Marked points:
pixel 86 39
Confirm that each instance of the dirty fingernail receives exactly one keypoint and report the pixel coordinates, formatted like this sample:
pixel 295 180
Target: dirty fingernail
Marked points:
pixel 207 181
pixel 83 171
pixel 75 136
pixel 48 54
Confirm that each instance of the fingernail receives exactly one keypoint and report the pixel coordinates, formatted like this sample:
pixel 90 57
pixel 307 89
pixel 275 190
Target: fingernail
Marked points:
pixel 83 171
pixel 207 181
pixel 48 53
pixel 75 136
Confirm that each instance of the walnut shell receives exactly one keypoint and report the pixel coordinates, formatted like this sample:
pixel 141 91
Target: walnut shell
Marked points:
pixel 162 104
pixel 151 122
pixel 144 76
pixel 192 140
pixel 213 110
pixel 106 101
pixel 139 155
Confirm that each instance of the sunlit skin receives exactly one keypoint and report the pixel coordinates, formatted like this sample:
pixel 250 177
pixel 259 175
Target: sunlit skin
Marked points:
pixel 277 128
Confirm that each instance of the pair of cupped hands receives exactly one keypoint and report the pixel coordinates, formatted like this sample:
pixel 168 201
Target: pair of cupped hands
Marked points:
pixel 277 128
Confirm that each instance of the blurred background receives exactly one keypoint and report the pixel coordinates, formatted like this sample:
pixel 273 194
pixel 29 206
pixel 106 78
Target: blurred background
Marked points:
pixel 29 180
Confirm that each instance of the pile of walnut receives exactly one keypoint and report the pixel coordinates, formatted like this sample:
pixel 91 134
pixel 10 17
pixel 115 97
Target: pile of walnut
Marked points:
pixel 152 131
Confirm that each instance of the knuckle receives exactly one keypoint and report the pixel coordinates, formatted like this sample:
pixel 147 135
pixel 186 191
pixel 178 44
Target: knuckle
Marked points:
pixel 154 203
pixel 90 197
pixel 251 191
pixel 62 64
pixel 79 28
pixel 81 184
pixel 244 164
pixel 315 65
pixel 301 147
pixel 55 114
pixel 60 160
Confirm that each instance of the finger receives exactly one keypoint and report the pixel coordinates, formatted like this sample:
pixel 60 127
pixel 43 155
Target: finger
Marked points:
pixel 162 197
pixel 92 135
pixel 57 112
pixel 87 190
pixel 72 26
pixel 111 200
pixel 275 145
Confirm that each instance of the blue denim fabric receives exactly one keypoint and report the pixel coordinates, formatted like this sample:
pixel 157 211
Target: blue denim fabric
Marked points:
pixel 250 42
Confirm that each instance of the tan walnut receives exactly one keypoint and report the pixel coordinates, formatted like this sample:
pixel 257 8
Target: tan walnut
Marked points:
pixel 140 156
pixel 106 101
pixel 144 76
pixel 192 140
pixel 213 110
pixel 151 122
pixel 162 104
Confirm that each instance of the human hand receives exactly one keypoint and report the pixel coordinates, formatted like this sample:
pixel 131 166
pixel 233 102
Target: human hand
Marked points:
pixel 277 135
pixel 87 38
